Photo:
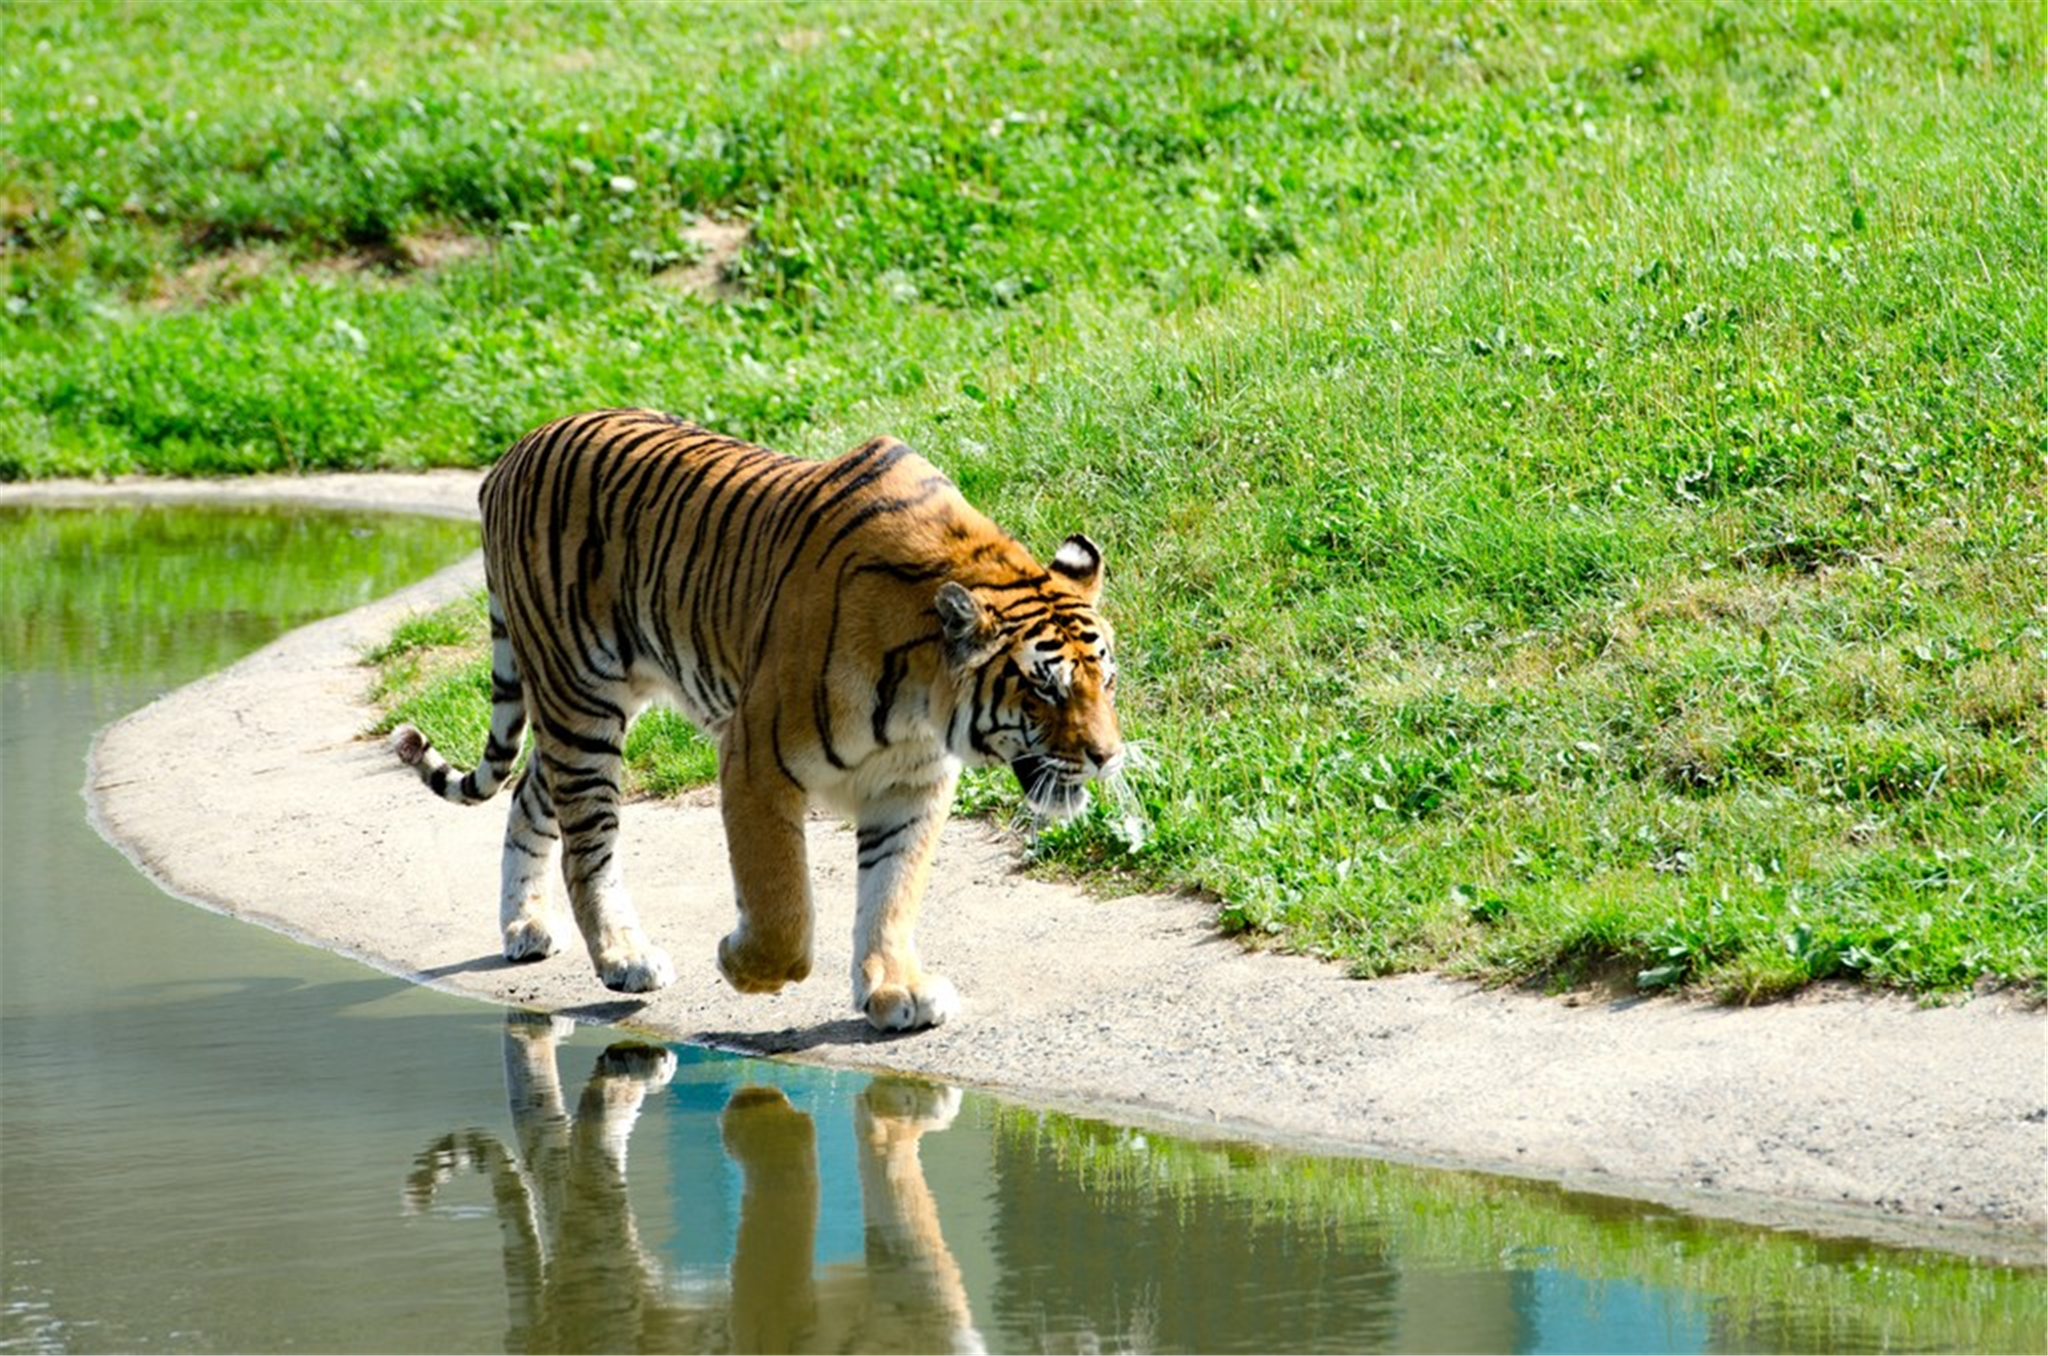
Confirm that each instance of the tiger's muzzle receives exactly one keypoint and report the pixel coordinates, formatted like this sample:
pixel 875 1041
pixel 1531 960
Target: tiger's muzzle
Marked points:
pixel 1057 788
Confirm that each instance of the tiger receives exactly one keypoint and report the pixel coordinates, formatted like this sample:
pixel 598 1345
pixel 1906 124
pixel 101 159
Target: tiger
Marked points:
pixel 849 633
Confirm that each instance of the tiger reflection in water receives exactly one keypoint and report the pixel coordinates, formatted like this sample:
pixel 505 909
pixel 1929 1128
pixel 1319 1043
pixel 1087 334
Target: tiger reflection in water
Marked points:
pixel 580 1279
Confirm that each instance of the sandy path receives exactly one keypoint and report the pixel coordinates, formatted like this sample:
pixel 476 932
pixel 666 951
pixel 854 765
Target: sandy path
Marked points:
pixel 251 791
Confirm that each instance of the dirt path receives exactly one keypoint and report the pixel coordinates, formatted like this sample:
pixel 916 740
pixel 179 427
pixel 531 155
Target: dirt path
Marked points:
pixel 253 792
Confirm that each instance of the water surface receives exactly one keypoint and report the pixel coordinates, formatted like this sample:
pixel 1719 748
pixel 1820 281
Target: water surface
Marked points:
pixel 216 1139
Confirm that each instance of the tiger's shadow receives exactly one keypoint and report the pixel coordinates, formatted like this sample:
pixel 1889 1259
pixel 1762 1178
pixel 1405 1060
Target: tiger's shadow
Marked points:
pixel 796 1040
pixel 579 1277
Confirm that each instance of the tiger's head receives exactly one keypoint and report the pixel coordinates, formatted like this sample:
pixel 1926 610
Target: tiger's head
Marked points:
pixel 1037 668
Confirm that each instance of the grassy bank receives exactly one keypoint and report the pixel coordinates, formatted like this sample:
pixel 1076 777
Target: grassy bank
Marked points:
pixel 1572 476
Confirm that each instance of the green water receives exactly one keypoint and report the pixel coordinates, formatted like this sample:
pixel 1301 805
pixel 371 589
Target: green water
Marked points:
pixel 215 1139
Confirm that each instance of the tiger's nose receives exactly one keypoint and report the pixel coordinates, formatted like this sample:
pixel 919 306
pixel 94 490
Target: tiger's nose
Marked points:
pixel 1102 761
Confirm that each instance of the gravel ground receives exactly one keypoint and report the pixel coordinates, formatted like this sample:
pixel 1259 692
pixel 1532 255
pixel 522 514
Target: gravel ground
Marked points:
pixel 254 792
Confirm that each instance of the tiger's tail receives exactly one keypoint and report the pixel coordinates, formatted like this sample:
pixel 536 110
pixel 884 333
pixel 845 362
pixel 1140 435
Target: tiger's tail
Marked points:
pixel 501 749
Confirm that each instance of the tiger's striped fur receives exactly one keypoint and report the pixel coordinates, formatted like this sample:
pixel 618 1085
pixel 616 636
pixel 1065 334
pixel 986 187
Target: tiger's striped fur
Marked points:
pixel 849 632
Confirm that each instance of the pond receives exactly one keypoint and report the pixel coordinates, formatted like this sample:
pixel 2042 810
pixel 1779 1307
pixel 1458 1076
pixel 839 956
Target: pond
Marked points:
pixel 216 1139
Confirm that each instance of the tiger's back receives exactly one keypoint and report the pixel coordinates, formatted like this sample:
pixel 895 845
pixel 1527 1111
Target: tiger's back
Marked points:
pixel 847 631
pixel 698 564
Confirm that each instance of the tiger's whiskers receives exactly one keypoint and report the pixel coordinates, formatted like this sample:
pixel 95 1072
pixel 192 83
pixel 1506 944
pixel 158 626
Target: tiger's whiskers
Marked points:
pixel 1127 811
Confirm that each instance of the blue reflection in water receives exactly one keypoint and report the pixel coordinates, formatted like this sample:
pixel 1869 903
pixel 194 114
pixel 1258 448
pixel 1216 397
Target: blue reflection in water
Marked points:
pixel 1564 1313
pixel 708 1218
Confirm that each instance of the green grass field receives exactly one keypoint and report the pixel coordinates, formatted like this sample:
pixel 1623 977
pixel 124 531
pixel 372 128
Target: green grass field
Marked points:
pixel 1572 474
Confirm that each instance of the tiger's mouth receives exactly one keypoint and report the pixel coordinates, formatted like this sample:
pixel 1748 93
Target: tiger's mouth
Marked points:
pixel 1050 787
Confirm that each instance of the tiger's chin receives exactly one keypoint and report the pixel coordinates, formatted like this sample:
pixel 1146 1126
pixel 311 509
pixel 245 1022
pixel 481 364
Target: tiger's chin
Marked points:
pixel 1051 792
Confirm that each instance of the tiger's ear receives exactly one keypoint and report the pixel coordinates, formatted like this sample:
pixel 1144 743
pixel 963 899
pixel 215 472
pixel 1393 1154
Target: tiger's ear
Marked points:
pixel 1079 561
pixel 965 623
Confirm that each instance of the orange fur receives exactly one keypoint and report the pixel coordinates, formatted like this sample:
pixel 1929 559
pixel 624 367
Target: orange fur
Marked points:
pixel 849 632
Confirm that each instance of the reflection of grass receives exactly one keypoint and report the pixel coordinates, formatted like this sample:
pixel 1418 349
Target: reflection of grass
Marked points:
pixel 144 589
pixel 1764 1290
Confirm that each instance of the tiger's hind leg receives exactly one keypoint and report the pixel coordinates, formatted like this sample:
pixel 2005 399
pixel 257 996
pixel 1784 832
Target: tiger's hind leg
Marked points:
pixel 531 838
pixel 583 779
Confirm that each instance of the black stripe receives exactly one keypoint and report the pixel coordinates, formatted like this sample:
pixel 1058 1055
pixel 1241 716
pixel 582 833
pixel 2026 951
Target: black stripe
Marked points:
pixel 599 822
pixel 775 746
pixel 541 449
pixel 906 574
pixel 675 579
pixel 703 580
pixel 581 743
pixel 591 864
pixel 895 453
pixel 895 668
pixel 876 846
pixel 1036 581
pixel 601 458
pixel 888 454
pixel 856 467
pixel 928 489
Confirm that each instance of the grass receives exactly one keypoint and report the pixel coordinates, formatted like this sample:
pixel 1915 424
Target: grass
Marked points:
pixel 1572 475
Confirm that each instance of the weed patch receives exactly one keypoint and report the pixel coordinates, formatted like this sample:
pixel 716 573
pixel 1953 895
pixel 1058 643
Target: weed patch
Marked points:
pixel 1572 479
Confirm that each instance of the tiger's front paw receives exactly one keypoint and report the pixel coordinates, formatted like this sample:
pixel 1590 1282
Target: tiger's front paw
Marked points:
pixel 928 1001
pixel 528 939
pixel 633 965
pixel 751 967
